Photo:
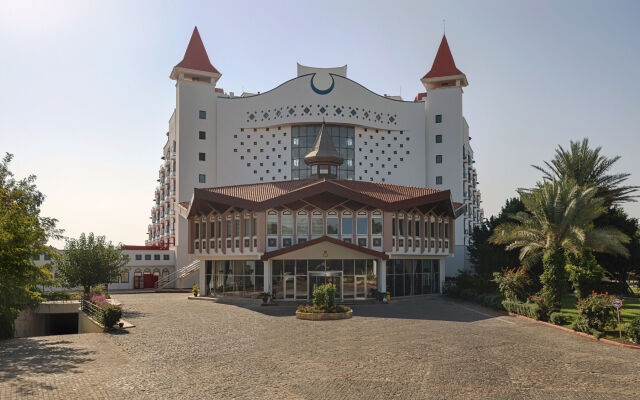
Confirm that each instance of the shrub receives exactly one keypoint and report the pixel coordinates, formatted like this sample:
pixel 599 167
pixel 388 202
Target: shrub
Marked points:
pixel 633 330
pixel 99 300
pixel 109 315
pixel 585 274
pixel 324 296
pixel 527 309
pixel 546 303
pixel 557 318
pixel 57 295
pixel 594 313
pixel 195 290
pixel 513 284
pixel 313 309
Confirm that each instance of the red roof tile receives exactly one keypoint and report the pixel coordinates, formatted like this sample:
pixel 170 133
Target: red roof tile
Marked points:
pixel 420 96
pixel 196 57
pixel 443 64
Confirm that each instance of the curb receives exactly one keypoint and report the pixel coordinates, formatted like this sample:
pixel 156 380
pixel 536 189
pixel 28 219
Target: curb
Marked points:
pixel 613 342
pixel 609 341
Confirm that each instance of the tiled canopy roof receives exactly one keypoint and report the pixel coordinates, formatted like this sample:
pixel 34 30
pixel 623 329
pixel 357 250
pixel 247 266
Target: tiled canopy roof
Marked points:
pixel 134 247
pixel 319 193
pixel 196 57
pixel 443 64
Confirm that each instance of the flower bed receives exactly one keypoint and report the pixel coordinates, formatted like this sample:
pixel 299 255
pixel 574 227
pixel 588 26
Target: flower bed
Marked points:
pixel 324 306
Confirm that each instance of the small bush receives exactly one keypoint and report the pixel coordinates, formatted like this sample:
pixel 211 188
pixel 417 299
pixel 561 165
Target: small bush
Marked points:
pixel 513 284
pixel 557 318
pixel 313 309
pixel 633 330
pixel 585 274
pixel 195 290
pixel 546 303
pixel 527 309
pixel 58 295
pixel 324 296
pixel 109 315
pixel 595 313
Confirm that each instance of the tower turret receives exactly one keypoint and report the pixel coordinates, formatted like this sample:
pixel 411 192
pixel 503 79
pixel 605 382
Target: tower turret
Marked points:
pixel 323 158
pixel 195 64
pixel 444 72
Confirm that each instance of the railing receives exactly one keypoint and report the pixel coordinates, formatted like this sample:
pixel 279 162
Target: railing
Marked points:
pixel 178 274
pixel 90 308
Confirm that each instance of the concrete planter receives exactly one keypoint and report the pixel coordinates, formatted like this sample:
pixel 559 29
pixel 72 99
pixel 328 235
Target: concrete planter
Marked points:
pixel 323 316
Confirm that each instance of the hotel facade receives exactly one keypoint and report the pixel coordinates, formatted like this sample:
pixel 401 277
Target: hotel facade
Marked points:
pixel 242 202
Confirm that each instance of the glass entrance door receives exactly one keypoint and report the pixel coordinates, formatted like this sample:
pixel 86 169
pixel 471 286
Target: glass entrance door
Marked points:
pixel 320 278
pixel 360 286
pixel 289 287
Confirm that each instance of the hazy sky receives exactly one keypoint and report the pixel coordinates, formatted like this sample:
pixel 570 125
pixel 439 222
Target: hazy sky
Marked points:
pixel 85 95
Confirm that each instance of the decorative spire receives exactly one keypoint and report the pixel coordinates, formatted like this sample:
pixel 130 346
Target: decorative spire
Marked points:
pixel 196 58
pixel 323 157
pixel 444 66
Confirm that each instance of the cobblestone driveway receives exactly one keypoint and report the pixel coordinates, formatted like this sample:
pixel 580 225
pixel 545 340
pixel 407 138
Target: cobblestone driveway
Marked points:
pixel 426 348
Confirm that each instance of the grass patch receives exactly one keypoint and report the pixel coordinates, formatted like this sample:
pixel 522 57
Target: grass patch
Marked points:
pixel 629 310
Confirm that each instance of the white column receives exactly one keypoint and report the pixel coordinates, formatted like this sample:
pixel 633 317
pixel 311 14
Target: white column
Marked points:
pixel 267 276
pixel 382 276
pixel 442 271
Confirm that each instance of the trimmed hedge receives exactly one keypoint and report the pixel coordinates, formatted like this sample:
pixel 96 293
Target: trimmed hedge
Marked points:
pixel 558 318
pixel 527 309
pixel 109 315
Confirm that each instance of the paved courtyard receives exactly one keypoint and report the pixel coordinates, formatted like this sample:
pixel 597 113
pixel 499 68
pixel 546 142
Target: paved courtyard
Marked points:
pixel 431 347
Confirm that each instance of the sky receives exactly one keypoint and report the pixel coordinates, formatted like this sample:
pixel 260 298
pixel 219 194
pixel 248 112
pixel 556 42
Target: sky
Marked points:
pixel 85 94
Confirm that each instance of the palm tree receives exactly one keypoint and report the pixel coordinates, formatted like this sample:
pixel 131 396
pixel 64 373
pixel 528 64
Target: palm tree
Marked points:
pixel 558 219
pixel 589 168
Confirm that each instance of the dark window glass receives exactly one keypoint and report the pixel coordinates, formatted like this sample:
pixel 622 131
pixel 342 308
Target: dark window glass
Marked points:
pixel 202 156
pixel 202 178
pixel 438 180
pixel 202 135
pixel 202 114
pixel 156 256
pixel 138 257
pixel 438 158
pixel 165 256
pixel 438 138
pixel 147 256
pixel 303 138
pixel 438 118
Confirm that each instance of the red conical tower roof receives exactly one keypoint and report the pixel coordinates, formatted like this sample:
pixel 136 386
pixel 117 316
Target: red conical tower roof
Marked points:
pixel 443 65
pixel 196 57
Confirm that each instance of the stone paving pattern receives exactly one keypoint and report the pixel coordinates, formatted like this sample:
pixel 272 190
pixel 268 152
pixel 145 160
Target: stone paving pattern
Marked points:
pixel 426 348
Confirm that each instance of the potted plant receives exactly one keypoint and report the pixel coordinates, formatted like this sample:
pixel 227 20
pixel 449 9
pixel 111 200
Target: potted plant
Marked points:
pixel 195 290
pixel 266 297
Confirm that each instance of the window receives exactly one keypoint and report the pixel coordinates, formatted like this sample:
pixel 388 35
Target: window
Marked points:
pixel 362 226
pixel 303 139
pixel 202 135
pixel 124 277
pixel 156 256
pixel 228 228
pixel 272 242
pixel 317 225
pixel 347 225
pixel 438 158
pixel 272 223
pixel 438 180
pixel 197 231
pixel 36 258
pixel 438 138
pixel 202 157
pixel 147 257
pixel 376 226
pixel 302 225
pixel 202 178
pixel 47 257
pixel 332 225
pixel 287 224
pixel 247 228
pixel 138 257
pixel 362 242
pixel 438 118
pixel 202 114
pixel 377 242
pixel 165 257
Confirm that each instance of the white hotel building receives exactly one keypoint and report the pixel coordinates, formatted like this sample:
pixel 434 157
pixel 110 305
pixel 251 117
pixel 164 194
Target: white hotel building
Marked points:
pixel 218 139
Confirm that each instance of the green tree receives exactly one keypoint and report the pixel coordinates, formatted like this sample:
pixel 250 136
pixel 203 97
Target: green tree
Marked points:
pixel 89 261
pixel 617 267
pixel 558 218
pixel 23 235
pixel 487 257
pixel 589 168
